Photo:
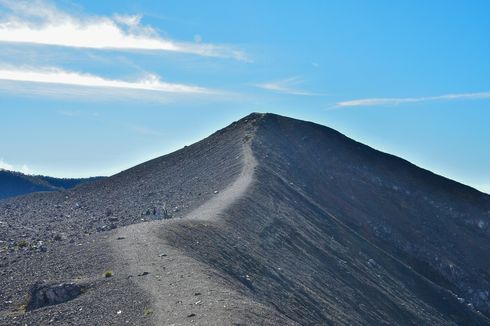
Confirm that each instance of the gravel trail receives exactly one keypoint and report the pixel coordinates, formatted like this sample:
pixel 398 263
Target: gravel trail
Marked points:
pixel 183 290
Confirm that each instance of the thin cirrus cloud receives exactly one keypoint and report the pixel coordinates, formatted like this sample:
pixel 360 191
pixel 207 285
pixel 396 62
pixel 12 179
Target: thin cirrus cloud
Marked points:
pixel 286 86
pixel 63 77
pixel 37 22
pixel 406 100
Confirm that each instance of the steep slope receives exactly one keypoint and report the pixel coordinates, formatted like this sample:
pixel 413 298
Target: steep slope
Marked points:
pixel 334 231
pixel 435 225
pixel 66 236
pixel 15 183
pixel 182 287
pixel 268 221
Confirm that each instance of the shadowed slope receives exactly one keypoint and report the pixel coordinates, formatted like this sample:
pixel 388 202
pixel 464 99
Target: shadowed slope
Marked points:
pixel 184 290
pixel 293 241
pixel 437 226
pixel 268 221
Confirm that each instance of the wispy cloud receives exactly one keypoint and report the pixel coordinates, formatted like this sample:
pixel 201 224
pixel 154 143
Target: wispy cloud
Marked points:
pixel 286 86
pixel 38 22
pixel 63 77
pixel 405 100
pixel 23 168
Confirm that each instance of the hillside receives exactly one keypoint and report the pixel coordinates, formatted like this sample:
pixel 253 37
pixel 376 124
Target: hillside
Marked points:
pixel 269 221
pixel 15 183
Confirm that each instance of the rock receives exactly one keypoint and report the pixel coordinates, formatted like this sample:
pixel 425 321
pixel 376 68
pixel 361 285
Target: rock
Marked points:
pixel 106 227
pixel 216 191
pixel 42 295
pixel 191 315
pixel 371 262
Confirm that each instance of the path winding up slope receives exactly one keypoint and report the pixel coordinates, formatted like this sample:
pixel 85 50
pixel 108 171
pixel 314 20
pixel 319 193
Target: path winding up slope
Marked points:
pixel 183 289
pixel 283 237
pixel 269 221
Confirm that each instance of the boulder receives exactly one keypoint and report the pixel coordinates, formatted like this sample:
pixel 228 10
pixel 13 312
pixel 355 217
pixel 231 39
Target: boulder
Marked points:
pixel 42 295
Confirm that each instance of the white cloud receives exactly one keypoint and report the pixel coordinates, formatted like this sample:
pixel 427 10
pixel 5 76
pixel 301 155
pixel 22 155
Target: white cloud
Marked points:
pixel 38 22
pixel 5 166
pixel 128 20
pixel 23 168
pixel 26 169
pixel 286 86
pixel 59 76
pixel 398 101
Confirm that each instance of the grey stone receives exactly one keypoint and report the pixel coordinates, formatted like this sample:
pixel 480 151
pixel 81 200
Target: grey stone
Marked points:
pixel 42 295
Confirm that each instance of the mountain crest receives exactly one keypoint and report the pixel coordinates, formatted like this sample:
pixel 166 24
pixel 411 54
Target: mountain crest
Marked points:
pixel 270 220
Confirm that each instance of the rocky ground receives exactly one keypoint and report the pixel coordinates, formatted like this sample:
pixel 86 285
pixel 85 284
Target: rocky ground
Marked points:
pixel 268 221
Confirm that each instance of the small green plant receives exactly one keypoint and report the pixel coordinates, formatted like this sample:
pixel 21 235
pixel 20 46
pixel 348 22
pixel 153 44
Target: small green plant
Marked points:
pixel 108 274
pixel 22 244
pixel 148 312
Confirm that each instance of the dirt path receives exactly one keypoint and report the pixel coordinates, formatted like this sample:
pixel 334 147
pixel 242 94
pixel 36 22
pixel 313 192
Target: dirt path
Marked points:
pixel 183 289
pixel 211 209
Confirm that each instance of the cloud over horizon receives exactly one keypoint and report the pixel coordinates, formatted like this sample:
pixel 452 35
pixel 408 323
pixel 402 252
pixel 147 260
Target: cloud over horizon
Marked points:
pixel 38 22
pixel 9 167
pixel 59 76
pixel 397 101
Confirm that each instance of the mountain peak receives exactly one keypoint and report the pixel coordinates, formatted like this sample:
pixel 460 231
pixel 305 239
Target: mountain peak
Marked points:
pixel 273 215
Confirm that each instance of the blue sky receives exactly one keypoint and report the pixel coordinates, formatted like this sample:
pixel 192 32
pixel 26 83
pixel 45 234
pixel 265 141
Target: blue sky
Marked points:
pixel 94 87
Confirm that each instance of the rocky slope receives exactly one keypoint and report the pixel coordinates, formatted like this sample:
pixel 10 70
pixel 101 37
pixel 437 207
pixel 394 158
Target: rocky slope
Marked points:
pixel 268 221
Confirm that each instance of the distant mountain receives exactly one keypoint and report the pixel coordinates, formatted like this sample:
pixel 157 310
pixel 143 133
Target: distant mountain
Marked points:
pixel 269 221
pixel 16 183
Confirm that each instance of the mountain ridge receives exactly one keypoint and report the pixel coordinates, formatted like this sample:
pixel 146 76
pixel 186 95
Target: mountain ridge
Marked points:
pixel 327 231
pixel 14 183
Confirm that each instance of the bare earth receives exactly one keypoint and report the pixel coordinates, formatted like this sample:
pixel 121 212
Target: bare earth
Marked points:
pixel 269 221
pixel 185 291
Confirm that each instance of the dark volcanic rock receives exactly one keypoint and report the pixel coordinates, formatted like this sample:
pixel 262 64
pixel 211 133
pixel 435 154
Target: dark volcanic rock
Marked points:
pixel 43 295
pixel 329 231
